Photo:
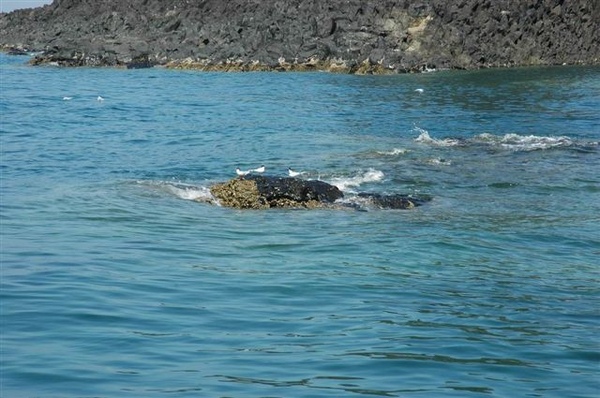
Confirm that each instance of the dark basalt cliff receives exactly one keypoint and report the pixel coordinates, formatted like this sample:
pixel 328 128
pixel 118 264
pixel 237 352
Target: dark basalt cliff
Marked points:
pixel 385 36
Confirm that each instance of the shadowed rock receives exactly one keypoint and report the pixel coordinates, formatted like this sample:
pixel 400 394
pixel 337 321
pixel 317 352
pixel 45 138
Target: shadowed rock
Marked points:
pixel 140 62
pixel 295 189
pixel 16 51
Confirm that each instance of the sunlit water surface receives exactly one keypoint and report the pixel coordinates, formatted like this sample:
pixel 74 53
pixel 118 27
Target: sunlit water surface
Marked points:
pixel 120 280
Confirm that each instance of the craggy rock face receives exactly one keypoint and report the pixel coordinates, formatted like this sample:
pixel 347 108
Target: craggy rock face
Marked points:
pixel 241 194
pixel 295 189
pixel 350 36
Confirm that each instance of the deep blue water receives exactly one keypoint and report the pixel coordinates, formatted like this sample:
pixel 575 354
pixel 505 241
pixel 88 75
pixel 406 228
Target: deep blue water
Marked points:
pixel 119 280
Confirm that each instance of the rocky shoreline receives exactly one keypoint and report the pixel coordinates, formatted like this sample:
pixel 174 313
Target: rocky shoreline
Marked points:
pixel 349 36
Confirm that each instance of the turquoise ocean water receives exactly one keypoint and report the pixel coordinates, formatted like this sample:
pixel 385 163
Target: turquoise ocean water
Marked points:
pixel 119 280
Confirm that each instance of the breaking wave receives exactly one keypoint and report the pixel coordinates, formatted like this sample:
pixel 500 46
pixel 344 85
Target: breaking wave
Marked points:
pixel 517 142
pixel 438 162
pixel 181 190
pixel 425 138
pixel 393 152
pixel 509 142
pixel 344 183
pixel 190 192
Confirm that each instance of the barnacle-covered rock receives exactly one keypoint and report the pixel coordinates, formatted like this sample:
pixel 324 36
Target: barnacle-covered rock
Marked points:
pixel 260 192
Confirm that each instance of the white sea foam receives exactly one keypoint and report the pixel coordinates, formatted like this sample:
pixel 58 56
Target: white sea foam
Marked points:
pixel 438 162
pixel 344 183
pixel 425 138
pixel 181 190
pixel 516 142
pixel 513 142
pixel 357 202
pixel 394 152
pixel 190 192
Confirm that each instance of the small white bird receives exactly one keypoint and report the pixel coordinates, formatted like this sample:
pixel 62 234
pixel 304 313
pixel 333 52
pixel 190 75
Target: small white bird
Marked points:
pixel 67 98
pixel 241 173
pixel 293 173
pixel 100 99
pixel 419 90
pixel 261 169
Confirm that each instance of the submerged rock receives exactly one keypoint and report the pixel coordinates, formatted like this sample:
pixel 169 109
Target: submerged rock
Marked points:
pixel 395 201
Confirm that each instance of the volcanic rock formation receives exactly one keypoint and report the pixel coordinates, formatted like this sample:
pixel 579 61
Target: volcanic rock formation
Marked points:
pixel 351 36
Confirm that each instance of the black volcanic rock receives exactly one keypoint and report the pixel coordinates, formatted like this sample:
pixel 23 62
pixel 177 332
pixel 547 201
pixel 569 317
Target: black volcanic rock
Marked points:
pixel 140 62
pixel 386 36
pixel 295 189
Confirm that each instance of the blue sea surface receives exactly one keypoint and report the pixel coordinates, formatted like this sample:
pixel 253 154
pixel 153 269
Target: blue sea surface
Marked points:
pixel 120 278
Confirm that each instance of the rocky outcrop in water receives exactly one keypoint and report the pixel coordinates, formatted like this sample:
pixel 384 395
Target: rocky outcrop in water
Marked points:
pixel 353 36
pixel 263 192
